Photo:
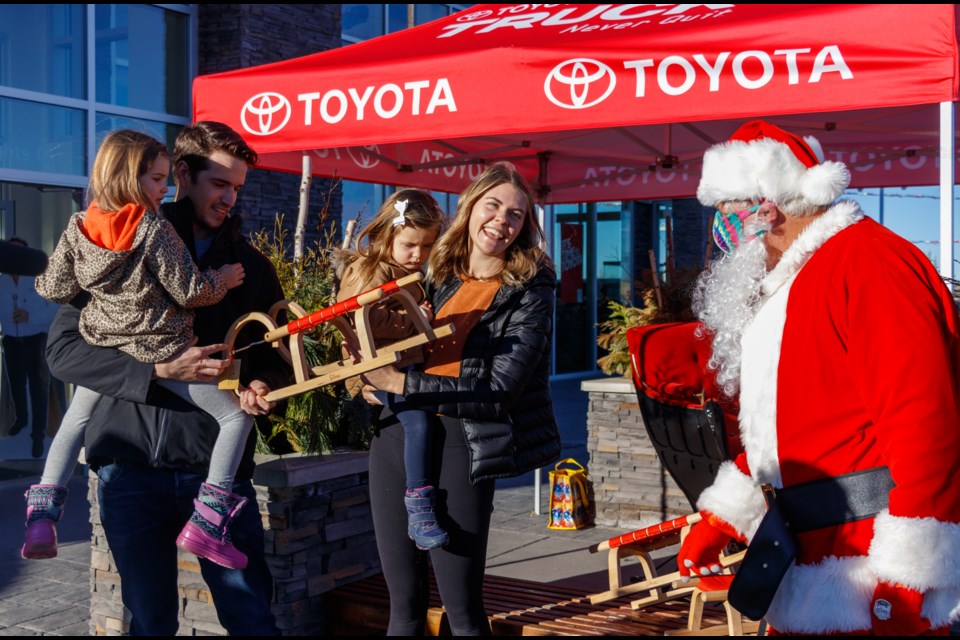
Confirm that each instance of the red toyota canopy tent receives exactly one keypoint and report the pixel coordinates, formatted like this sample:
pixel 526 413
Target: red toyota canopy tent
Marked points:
pixel 608 102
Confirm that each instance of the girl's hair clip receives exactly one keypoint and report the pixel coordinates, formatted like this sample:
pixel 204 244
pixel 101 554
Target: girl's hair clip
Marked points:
pixel 401 207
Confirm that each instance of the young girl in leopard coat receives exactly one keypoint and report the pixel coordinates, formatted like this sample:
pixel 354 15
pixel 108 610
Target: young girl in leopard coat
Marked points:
pixel 142 284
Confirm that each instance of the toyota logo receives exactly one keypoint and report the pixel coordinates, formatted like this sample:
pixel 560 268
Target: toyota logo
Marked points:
pixel 366 157
pixel 269 112
pixel 476 15
pixel 579 83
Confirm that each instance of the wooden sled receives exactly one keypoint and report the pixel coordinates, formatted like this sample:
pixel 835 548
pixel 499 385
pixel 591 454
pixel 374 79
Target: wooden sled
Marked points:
pixel 655 589
pixel 357 332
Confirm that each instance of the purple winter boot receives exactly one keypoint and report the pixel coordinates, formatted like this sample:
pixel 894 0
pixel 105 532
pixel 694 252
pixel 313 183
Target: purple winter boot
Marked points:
pixel 207 533
pixel 44 509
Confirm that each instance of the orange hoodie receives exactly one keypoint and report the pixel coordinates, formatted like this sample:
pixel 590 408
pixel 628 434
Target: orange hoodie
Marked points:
pixel 112 230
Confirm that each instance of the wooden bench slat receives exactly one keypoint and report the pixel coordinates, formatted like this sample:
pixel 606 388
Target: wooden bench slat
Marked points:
pixel 519 607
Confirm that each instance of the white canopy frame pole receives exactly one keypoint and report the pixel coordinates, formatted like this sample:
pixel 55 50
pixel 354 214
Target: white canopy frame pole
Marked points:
pixel 947 160
pixel 299 232
pixel 548 236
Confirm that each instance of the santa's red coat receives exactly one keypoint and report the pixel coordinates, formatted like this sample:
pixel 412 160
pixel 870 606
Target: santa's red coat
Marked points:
pixel 851 363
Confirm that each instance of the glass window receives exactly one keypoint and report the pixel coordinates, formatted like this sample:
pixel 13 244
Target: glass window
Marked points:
pixel 447 202
pixel 570 252
pixel 361 200
pixel 37 213
pixel 165 133
pixel 610 251
pixel 664 211
pixel 42 48
pixel 428 12
pixel 398 17
pixel 363 21
pixel 39 137
pixel 141 58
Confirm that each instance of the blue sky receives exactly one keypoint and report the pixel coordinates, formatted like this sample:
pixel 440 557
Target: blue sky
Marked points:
pixel 912 212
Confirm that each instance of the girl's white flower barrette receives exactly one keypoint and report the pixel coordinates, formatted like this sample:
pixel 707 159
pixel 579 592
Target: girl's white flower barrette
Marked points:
pixel 401 207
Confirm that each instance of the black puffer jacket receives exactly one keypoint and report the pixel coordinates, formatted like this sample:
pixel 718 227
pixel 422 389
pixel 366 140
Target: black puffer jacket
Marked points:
pixel 502 396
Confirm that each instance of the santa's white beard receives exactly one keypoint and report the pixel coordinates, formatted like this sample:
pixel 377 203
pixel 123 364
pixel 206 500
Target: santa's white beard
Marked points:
pixel 725 300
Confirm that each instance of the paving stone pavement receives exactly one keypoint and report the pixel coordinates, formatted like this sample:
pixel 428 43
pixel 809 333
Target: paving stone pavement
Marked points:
pixel 45 597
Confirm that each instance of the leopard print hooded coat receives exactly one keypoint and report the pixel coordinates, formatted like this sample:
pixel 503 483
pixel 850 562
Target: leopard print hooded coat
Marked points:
pixel 140 298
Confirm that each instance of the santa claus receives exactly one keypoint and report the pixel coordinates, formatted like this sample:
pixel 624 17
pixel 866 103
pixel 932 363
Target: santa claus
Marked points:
pixel 841 340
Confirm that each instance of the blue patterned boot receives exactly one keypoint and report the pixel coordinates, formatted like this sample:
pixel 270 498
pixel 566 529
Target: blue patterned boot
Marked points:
pixel 422 520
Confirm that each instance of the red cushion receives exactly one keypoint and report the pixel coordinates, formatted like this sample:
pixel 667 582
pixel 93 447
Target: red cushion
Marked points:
pixel 669 364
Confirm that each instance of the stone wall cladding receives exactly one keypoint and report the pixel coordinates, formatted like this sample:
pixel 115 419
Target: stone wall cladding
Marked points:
pixel 234 36
pixel 631 488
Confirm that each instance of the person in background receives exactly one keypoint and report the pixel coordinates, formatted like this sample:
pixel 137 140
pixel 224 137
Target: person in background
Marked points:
pixel 395 244
pixel 25 317
pixel 843 343
pixel 151 450
pixel 487 386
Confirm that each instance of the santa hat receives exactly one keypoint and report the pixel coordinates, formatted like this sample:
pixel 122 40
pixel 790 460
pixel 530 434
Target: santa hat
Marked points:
pixel 763 162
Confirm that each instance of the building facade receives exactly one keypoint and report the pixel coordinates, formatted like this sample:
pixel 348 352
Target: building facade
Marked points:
pixel 70 73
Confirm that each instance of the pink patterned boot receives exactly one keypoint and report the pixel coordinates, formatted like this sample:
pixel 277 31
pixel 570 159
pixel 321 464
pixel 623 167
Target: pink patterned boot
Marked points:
pixel 207 533
pixel 44 509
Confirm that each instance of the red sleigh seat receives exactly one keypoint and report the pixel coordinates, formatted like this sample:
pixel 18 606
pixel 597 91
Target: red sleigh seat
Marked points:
pixel 692 428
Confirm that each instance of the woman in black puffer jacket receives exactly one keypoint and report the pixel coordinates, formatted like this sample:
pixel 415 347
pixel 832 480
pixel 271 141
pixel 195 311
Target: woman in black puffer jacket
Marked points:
pixel 488 386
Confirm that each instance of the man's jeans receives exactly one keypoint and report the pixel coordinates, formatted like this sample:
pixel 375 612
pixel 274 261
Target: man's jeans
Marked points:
pixel 142 511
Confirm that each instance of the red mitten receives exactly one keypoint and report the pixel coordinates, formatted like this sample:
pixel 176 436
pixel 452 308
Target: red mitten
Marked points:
pixel 700 552
pixel 895 611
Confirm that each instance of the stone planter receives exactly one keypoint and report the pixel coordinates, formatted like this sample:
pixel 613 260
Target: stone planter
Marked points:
pixel 632 489
pixel 319 535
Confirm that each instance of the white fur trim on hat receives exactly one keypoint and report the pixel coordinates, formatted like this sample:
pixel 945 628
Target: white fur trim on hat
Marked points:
pixel 814 145
pixel 735 498
pixel 766 169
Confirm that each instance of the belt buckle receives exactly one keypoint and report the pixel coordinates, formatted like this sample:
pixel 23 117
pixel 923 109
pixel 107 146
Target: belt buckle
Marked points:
pixel 769 494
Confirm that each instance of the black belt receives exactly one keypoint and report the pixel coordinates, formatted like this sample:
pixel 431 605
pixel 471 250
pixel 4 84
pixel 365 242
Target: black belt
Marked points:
pixel 803 507
pixel 837 500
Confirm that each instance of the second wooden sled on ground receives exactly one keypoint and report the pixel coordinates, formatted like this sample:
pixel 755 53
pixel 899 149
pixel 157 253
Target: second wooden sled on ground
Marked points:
pixel 357 332
pixel 654 588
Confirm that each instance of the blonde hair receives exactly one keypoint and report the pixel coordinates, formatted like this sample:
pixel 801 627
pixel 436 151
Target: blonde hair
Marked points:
pixel 124 156
pixel 524 256
pixel 375 241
